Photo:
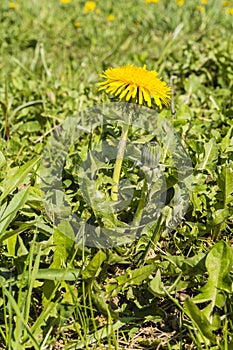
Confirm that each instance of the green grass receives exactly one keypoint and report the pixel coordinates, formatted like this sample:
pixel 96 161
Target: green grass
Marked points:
pixel 171 288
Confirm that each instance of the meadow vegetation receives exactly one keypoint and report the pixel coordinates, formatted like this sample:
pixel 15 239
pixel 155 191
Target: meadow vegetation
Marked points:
pixel 168 289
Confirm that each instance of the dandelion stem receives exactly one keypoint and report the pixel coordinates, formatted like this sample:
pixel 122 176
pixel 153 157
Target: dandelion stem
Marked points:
pixel 119 159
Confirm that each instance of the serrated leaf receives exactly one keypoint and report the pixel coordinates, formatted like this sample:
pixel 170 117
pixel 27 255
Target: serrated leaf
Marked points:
pixel 225 183
pixel 11 243
pixel 94 265
pixel 30 127
pixel 210 156
pixel 64 244
pixel 190 266
pixel 219 216
pixel 156 285
pixel 226 140
pixel 63 248
pixel 199 319
pixel 218 264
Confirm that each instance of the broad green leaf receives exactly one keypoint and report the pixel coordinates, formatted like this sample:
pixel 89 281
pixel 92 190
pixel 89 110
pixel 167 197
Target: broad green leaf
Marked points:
pixel 58 274
pixel 10 212
pixel 219 216
pixel 122 279
pixel 30 127
pixel 63 247
pixel 189 266
pixel 21 251
pixel 199 319
pixel 16 177
pixel 215 317
pixel 150 311
pixel 210 156
pixel 137 276
pixel 133 277
pixel 102 306
pixel 94 265
pixel 114 258
pixel 218 264
pixel 156 285
pixel 225 183
pixel 11 242
pixel 67 305
pixel 226 140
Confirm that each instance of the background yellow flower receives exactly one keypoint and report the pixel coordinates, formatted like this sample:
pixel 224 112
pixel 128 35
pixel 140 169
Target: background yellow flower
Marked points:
pixel 111 18
pixel 180 2
pixel 77 24
pixel 226 3
pixel 150 1
pixel 89 6
pixel 13 6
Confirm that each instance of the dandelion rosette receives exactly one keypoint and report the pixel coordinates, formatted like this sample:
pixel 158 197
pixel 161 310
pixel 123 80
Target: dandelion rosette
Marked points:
pixel 131 83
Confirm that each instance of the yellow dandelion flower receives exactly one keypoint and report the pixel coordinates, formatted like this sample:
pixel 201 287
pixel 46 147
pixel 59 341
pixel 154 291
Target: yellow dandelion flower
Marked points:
pixel 136 83
pixel 65 1
pixel 13 6
pixel 151 1
pixel 230 10
pixel 200 8
pixel 180 2
pixel 111 18
pixel 226 3
pixel 77 24
pixel 89 6
pixel 204 2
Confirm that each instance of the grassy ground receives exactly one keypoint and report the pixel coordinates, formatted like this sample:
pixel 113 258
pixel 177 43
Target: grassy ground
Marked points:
pixel 169 288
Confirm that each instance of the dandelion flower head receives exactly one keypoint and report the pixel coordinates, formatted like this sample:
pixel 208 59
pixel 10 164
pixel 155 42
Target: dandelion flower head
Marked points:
pixel 226 3
pixel 131 83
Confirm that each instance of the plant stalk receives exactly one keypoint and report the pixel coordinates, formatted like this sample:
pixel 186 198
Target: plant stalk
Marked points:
pixel 119 159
